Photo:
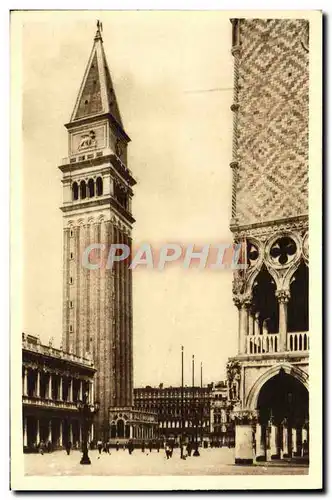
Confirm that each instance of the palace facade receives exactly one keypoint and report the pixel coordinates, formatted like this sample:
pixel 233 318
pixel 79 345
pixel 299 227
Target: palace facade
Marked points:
pixel 268 378
pixel 53 381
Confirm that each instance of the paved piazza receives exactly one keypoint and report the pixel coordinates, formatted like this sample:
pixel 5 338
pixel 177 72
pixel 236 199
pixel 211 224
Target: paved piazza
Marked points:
pixel 216 461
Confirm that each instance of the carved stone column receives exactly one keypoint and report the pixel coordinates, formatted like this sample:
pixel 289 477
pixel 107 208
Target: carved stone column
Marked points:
pixel 50 386
pixel 38 384
pixel 283 297
pixel 25 381
pixel 60 395
pixel 244 421
pixel 274 449
pixel 37 431
pixel 71 386
pixel 49 437
pixel 60 433
pixel 260 443
pixel 285 443
pixel 243 304
pixel 80 397
pixel 25 431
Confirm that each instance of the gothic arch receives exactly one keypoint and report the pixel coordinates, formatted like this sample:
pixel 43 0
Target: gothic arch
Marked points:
pixel 252 398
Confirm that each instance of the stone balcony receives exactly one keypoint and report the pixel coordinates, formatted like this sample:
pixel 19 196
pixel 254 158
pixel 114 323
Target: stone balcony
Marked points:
pixel 49 403
pixel 269 343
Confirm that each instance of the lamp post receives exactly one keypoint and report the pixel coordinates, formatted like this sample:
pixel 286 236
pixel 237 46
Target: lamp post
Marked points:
pixel 86 410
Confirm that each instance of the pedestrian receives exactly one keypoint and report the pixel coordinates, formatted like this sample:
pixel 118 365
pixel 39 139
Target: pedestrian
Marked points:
pixel 150 446
pixel 143 446
pixel 168 451
pixel 49 447
pixel 68 447
pixel 189 449
pixel 130 446
pixel 117 444
pixel 99 446
pixel 41 447
pixel 158 446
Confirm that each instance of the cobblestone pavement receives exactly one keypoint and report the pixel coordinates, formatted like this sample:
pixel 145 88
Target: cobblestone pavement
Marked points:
pixel 218 461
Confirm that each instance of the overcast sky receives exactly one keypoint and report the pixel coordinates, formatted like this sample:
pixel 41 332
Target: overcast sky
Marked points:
pixel 173 75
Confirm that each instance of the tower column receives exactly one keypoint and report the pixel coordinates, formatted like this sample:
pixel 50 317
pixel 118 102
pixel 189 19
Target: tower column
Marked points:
pixel 243 304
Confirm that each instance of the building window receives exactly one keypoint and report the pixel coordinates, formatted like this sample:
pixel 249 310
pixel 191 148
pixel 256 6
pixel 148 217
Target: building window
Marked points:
pixel 71 304
pixel 71 328
pixel 75 191
pixel 71 233
pixel 91 188
pixel 83 190
pixel 71 255
pixel 71 280
pixel 99 185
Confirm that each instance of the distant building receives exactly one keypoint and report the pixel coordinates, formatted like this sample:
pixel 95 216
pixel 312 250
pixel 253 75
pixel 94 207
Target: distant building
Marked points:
pixel 52 383
pixel 201 410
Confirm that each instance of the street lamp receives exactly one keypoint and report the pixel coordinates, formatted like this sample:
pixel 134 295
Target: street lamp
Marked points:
pixel 86 410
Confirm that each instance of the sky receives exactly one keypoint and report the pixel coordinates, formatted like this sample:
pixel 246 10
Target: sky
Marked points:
pixel 173 76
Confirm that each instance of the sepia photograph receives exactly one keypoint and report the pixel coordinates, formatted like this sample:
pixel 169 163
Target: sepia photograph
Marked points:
pixel 166 332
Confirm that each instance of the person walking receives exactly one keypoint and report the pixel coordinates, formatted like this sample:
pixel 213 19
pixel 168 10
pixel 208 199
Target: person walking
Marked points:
pixel 99 446
pixel 150 446
pixel 68 447
pixel 117 444
pixel 168 451
pixel 143 446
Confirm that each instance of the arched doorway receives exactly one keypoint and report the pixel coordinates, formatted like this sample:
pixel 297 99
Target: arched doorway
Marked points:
pixel 120 428
pixel 283 415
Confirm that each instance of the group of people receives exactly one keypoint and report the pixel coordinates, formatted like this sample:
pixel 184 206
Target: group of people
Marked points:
pixel 45 447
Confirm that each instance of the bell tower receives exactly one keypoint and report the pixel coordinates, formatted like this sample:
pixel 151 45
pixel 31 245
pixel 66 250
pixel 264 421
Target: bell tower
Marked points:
pixel 97 194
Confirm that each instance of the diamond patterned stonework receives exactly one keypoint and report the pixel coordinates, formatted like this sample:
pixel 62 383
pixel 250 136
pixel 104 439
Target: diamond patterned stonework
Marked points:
pixel 271 115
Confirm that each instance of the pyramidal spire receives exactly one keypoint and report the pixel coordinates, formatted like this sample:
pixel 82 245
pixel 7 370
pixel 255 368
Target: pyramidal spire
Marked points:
pixel 96 95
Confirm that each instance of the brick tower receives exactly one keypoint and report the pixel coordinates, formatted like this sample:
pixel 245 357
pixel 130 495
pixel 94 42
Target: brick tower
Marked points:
pixel 268 379
pixel 97 193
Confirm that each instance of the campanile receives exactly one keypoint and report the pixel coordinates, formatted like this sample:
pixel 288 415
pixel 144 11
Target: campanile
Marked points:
pixel 97 194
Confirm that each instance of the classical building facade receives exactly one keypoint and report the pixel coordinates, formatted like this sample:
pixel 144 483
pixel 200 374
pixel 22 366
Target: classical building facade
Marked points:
pixel 186 413
pixel 53 381
pixel 268 379
pixel 97 194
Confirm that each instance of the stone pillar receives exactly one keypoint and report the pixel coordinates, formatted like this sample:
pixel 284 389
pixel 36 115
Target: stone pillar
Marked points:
pixel 251 324
pixel 37 431
pixel 130 431
pixel 274 450
pixel 92 392
pixel 80 397
pixel 244 420
pixel 60 433
pixel 243 305
pixel 260 443
pixel 70 431
pixel 80 432
pixel 60 396
pixel 25 381
pixel 283 297
pixel 71 385
pixel 285 447
pixel 92 432
pixel 50 386
pixel 294 442
pixel 25 431
pixel 38 384
pixel 49 437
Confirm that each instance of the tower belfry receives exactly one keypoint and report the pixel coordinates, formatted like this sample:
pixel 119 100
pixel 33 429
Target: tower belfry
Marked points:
pixel 97 194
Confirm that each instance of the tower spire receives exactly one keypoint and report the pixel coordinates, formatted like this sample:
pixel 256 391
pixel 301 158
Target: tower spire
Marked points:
pixel 99 31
